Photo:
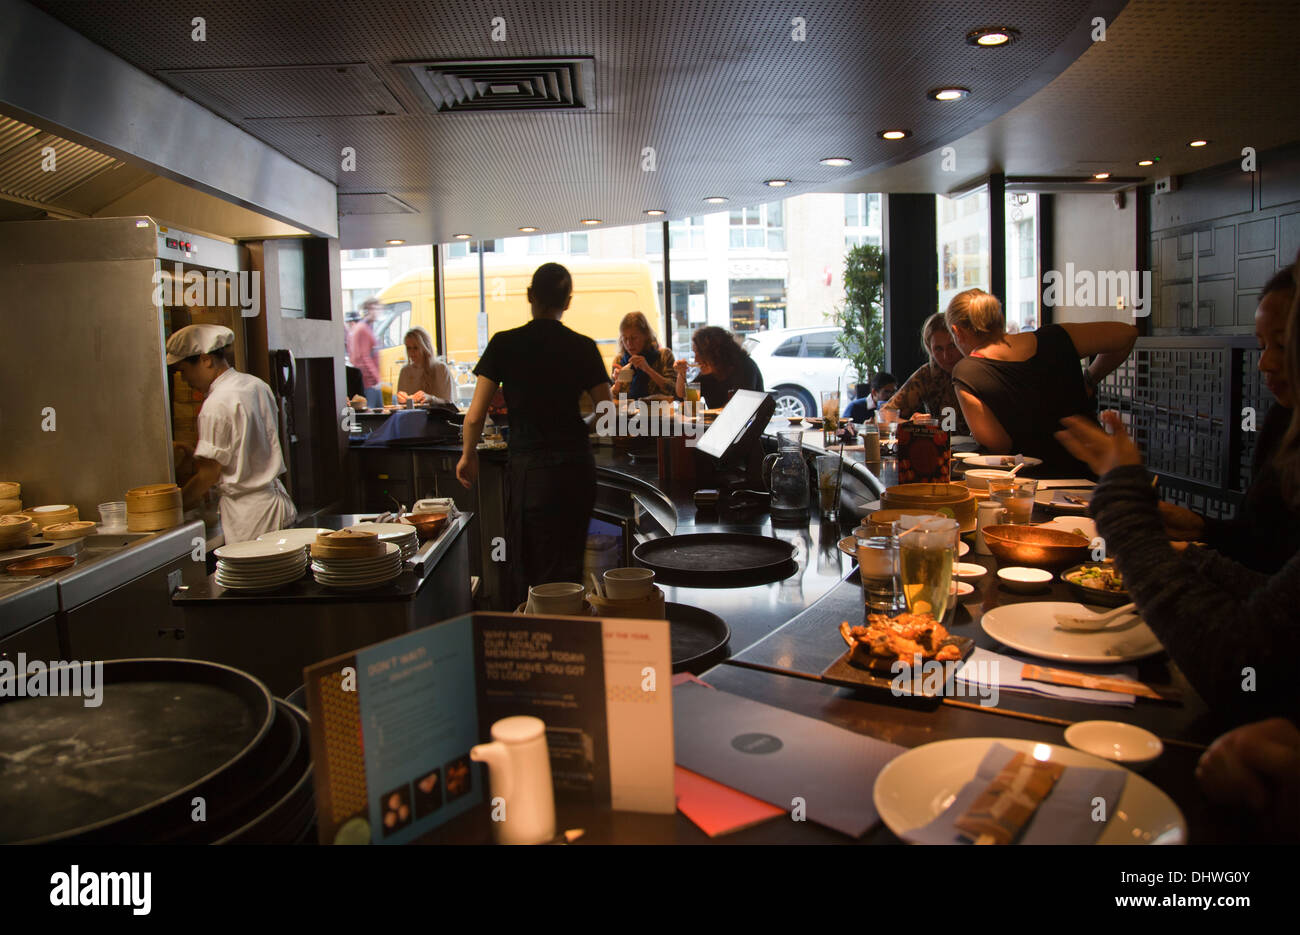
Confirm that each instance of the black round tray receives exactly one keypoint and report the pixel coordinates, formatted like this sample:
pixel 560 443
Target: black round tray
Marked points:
pixel 699 638
pixel 717 559
pixel 168 730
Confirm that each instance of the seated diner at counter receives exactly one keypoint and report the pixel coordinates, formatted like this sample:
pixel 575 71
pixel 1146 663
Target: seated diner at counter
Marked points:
pixel 1014 389
pixel 929 388
pixel 724 367
pixel 424 378
pixel 651 365
pixel 871 395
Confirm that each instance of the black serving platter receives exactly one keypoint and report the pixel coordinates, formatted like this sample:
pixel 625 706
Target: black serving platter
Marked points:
pixel 717 559
pixel 879 675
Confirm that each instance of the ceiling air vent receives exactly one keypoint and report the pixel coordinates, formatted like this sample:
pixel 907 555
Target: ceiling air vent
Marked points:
pixel 371 203
pixel 506 84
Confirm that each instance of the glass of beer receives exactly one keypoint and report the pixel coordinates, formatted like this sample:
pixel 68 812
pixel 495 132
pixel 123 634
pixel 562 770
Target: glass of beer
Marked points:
pixel 927 549
pixel 828 485
pixel 878 569
pixel 1017 495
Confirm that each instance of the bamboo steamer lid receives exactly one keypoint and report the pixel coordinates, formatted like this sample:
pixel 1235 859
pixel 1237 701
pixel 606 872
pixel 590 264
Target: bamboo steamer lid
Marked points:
pixel 946 499
pixel 68 530
pixel 152 498
pixel 10 490
pixel 54 513
pixel 348 543
pixel 154 520
pixel 10 506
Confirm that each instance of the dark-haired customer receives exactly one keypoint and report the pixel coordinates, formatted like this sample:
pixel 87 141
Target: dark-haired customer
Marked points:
pixel 1014 389
pixel 543 368
pixel 1266 530
pixel 1232 631
pixel 724 367
pixel 871 396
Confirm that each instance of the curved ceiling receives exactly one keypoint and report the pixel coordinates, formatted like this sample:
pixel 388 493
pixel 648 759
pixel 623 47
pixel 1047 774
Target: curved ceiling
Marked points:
pixel 725 93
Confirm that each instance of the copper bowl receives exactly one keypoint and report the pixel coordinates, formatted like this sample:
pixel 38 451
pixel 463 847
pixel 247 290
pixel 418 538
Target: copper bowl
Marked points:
pixel 1053 549
pixel 426 524
pixel 41 567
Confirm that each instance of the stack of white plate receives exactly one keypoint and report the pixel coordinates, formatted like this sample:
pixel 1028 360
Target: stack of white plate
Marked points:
pixel 303 538
pixel 257 566
pixel 359 573
pixel 402 535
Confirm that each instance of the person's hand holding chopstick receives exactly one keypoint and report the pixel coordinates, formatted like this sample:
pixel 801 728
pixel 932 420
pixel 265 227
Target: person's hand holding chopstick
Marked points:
pixel 1090 444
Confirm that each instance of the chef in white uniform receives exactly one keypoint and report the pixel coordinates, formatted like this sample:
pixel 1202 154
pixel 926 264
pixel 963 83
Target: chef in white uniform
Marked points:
pixel 238 452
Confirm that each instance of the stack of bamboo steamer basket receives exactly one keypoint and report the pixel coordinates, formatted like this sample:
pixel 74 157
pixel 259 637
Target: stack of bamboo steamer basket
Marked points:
pixel 10 497
pixel 348 543
pixel 75 530
pixel 52 513
pixel 15 531
pixel 953 500
pixel 153 507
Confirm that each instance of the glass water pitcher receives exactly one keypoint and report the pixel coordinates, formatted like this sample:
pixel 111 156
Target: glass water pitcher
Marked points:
pixel 786 475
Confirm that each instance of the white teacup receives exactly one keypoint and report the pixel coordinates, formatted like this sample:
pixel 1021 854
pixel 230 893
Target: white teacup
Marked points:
pixel 623 584
pixel 557 597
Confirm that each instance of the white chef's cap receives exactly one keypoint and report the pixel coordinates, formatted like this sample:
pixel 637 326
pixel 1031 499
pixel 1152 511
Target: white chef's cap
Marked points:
pixel 197 339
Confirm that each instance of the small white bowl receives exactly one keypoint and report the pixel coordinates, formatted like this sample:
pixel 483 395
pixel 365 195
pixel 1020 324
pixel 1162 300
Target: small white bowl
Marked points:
pixel 1025 580
pixel 978 478
pixel 1115 740
pixel 969 570
pixel 962 589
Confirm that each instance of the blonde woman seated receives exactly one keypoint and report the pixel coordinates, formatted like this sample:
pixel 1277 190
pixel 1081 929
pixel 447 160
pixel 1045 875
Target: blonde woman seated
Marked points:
pixel 639 351
pixel 1014 389
pixel 424 378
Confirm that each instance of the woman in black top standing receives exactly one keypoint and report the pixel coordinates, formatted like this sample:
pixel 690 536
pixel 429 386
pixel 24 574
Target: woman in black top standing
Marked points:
pixel 543 368
pixel 1014 389
pixel 724 367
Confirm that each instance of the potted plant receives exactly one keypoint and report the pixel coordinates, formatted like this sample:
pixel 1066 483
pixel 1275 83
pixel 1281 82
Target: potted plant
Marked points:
pixel 861 315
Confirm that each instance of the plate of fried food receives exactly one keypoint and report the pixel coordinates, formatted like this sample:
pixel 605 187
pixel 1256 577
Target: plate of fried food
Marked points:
pixel 877 647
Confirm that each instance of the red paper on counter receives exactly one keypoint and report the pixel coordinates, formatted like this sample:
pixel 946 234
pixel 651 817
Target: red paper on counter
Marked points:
pixel 718 809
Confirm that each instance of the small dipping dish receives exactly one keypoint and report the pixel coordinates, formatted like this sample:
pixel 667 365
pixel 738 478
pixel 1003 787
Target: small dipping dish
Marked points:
pixel 1025 580
pixel 1115 740
pixel 972 571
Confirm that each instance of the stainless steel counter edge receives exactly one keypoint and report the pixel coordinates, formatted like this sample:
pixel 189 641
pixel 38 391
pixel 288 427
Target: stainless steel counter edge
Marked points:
pixel 102 575
pixel 28 605
pixel 429 554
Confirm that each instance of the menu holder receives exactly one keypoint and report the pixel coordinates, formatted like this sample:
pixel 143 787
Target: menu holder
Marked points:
pixel 392 724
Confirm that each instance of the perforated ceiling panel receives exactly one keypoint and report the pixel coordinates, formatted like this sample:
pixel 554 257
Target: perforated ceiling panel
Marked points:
pixel 724 94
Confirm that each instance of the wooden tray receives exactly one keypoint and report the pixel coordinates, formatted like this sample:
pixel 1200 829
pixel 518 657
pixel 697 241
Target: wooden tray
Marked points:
pixel 880 676
pixel 717 559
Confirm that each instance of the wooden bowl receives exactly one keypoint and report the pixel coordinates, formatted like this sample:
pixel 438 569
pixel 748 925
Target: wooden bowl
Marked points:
pixel 43 566
pixel 426 524
pixel 1053 549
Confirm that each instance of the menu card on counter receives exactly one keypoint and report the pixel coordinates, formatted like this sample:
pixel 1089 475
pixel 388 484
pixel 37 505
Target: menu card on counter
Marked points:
pixel 392 724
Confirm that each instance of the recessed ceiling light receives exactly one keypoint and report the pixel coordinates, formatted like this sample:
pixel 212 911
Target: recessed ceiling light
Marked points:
pixel 715 199
pixel 589 221
pixel 947 94
pixel 461 236
pixel 395 243
pixel 1146 162
pixel 777 183
pixel 655 212
pixel 1101 175
pixel 835 161
pixel 991 37
pixel 527 230
pixel 894 134
pixel 1199 143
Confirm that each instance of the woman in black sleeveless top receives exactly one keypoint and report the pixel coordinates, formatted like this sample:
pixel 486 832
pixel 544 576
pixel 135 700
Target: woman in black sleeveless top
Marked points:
pixel 1014 389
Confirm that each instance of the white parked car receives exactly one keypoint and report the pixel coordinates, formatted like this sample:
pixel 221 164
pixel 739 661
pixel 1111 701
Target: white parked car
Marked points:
pixel 798 364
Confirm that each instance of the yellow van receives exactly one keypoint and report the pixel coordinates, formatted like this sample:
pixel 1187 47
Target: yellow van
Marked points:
pixel 603 292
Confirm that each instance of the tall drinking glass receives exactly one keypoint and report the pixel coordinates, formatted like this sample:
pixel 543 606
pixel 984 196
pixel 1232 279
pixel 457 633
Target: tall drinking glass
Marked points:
pixel 926 552
pixel 1017 495
pixel 828 485
pixel 878 569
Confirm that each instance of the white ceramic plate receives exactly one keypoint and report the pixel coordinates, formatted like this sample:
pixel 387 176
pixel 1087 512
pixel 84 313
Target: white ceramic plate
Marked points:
pixel 962 548
pixel 962 589
pixel 388 532
pixel 1084 524
pixel 1115 740
pixel 356 585
pixel 971 570
pixel 1051 500
pixel 257 550
pixel 1031 628
pixel 995 461
pixel 915 788
pixel 299 537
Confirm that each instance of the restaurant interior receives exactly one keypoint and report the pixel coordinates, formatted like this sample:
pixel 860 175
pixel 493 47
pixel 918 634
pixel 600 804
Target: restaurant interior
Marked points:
pixel 984 317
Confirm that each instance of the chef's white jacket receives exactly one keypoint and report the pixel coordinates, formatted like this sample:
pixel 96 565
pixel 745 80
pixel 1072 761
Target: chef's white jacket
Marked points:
pixel 238 429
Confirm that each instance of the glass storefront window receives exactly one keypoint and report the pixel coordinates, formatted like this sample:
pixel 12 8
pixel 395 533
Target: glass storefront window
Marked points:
pixel 1022 261
pixel 963 244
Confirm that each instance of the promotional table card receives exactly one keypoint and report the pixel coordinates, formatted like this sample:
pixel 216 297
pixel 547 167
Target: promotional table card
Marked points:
pixel 392 724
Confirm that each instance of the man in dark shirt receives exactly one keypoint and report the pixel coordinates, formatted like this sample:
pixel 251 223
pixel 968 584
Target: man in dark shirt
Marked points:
pixel 543 368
